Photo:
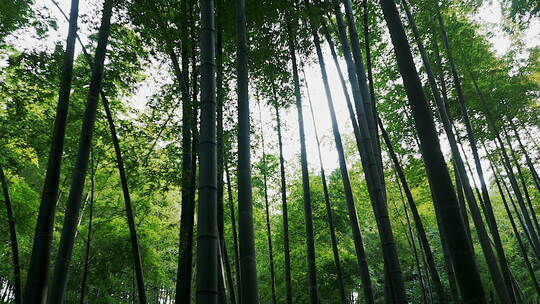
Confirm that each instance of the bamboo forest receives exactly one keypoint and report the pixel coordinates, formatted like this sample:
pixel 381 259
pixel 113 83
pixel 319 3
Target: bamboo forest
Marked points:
pixel 269 151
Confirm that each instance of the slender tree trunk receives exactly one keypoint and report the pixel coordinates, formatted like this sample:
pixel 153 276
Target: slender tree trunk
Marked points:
pixel 89 235
pixel 285 213
pixel 129 208
pixel 38 273
pixel 461 172
pixel 194 140
pixel 13 239
pixel 410 239
pixel 184 273
pixel 367 97
pixel 520 219
pixel 228 273
pixel 465 266
pixel 234 234
pixel 248 264
pixel 369 159
pixel 353 218
pixel 522 248
pixel 508 166
pixel 267 212
pixel 365 18
pixel 123 178
pixel 446 107
pixel 222 293
pixel 416 217
pixel 462 205
pixel 522 181
pixel 329 214
pixel 81 164
pixel 504 291
pixel 352 116
pixel 308 213
pixel 530 164
pixel 208 235
pixel 220 152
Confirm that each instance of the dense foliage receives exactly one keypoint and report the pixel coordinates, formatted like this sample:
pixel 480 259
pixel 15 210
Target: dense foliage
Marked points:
pixel 156 81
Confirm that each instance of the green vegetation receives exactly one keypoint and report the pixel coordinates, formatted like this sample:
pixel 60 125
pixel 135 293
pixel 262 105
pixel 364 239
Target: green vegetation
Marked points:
pixel 275 151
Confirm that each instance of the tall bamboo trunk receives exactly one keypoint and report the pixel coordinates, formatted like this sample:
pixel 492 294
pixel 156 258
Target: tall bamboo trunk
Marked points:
pixel 285 213
pixel 81 164
pixel 522 181
pixel 505 292
pixel 530 164
pixel 367 96
pixel 267 212
pixel 495 272
pixel 410 239
pixel 124 184
pixel 13 239
pixel 38 273
pixel 368 152
pixel 508 167
pixel 522 248
pixel 420 230
pixel 128 205
pixel 520 219
pixel 308 213
pixel 248 264
pixel 329 213
pixel 89 235
pixel 208 235
pixel 234 233
pixel 466 269
pixel 184 272
pixel 221 153
pixel 443 110
pixel 353 218
pixel 222 293
pixel 365 19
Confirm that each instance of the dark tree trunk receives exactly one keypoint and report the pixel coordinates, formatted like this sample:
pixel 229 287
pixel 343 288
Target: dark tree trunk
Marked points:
pixel 89 235
pixel 185 261
pixel 520 219
pixel 443 108
pixel 129 208
pixel 522 181
pixel 234 233
pixel 530 164
pixel 416 217
pixel 410 239
pixel 308 213
pixel 36 283
pixel 208 235
pixel 248 264
pixel 81 164
pixel 124 183
pixel 13 239
pixel 466 269
pixel 503 284
pixel 267 212
pixel 220 152
pixel 365 19
pixel 285 213
pixel 353 218
pixel 222 293
pixel 329 214
pixel 508 167
pixel 522 248
pixel 368 152
pixel 367 96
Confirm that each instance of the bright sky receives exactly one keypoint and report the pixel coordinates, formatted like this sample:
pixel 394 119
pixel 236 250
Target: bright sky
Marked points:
pixel 490 16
